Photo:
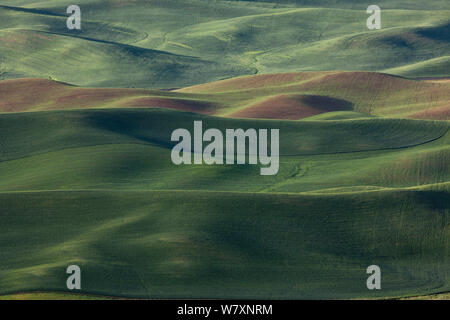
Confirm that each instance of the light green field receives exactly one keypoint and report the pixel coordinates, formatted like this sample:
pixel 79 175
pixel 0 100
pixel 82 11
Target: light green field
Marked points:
pixel 174 43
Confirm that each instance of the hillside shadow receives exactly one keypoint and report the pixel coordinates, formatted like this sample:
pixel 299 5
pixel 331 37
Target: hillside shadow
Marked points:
pixel 34 11
pixel 440 33
pixel 131 49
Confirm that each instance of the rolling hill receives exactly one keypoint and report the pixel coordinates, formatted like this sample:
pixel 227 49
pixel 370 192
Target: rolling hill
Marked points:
pixel 291 96
pixel 175 43
pixel 86 175
pixel 128 216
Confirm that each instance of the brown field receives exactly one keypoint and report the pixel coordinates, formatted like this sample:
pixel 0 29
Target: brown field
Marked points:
pixel 292 107
pixel 437 113
pixel 276 96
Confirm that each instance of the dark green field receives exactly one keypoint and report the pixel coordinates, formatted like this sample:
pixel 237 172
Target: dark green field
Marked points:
pixel 100 191
pixel 86 176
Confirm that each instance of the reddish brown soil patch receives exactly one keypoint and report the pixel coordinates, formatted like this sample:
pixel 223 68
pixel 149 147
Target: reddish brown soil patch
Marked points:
pixel 85 98
pixel 437 113
pixel 19 94
pixel 28 94
pixel 292 107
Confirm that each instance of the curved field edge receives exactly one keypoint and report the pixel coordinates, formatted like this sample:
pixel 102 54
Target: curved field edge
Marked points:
pixel 131 149
pixel 154 127
pixel 291 96
pixel 176 244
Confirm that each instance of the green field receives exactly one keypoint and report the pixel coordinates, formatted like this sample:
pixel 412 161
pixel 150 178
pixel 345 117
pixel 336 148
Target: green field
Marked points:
pixel 86 176
pixel 105 195
pixel 176 43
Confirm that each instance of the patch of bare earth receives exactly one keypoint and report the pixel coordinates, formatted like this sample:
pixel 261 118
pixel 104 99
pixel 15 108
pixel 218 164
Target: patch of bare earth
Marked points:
pixel 437 113
pixel 292 107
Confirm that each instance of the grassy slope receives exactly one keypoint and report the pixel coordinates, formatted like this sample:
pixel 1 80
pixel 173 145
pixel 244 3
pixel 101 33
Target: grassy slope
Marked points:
pixel 156 48
pixel 58 57
pixel 206 247
pixel 352 190
pixel 174 243
pixel 289 96
pixel 437 67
